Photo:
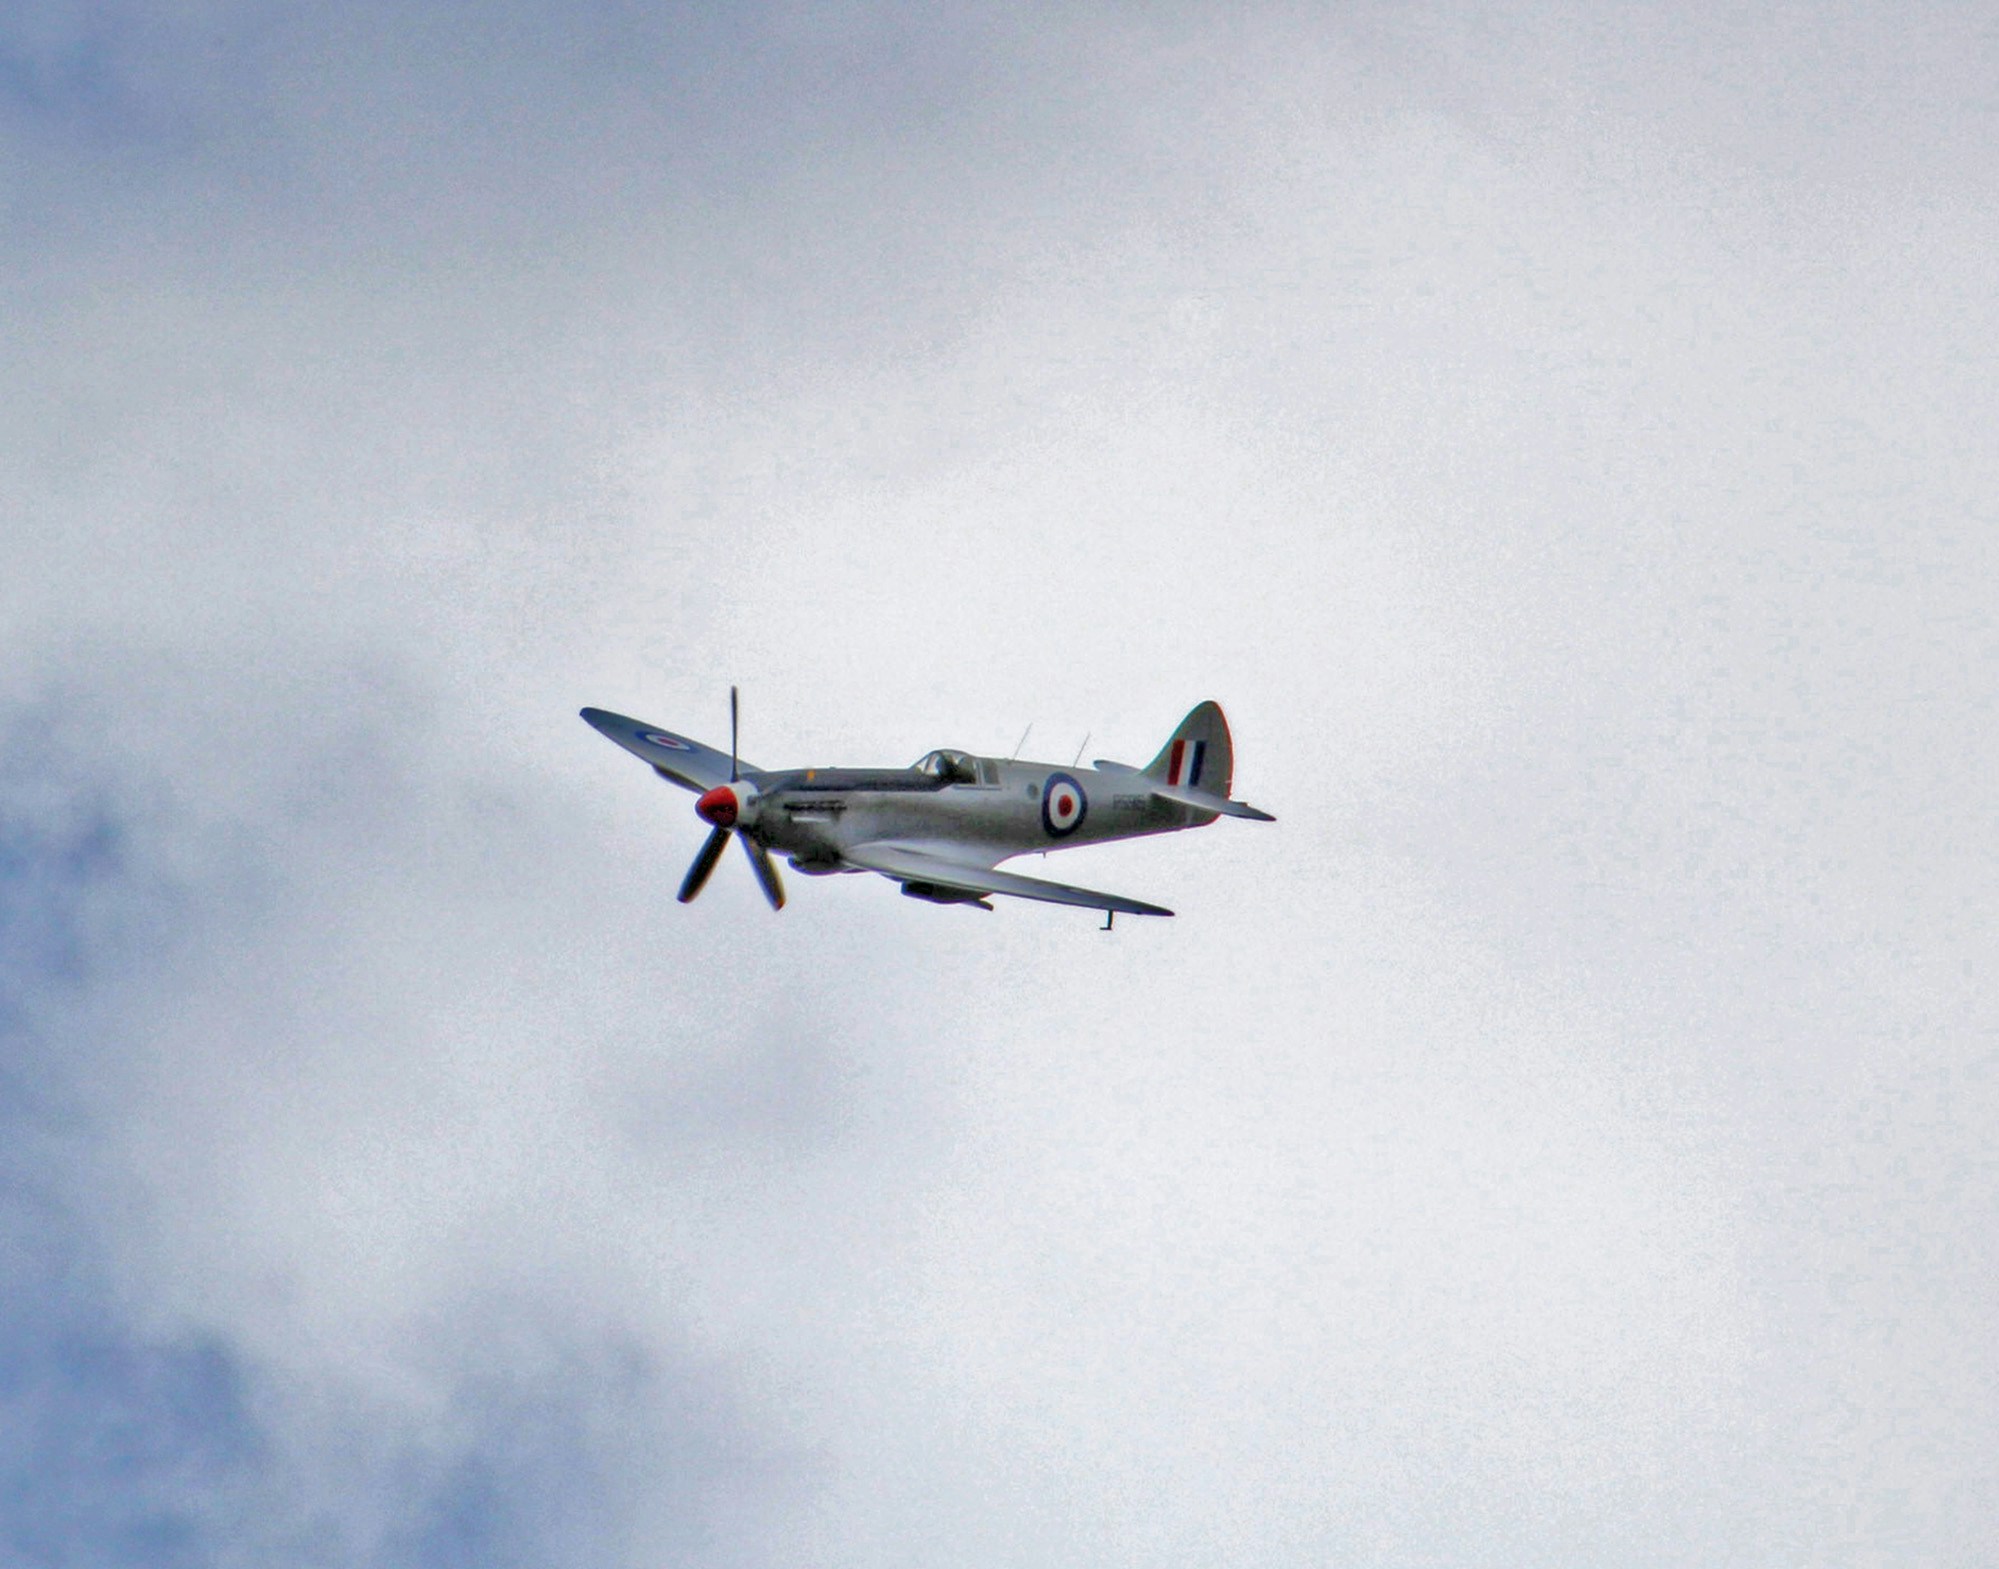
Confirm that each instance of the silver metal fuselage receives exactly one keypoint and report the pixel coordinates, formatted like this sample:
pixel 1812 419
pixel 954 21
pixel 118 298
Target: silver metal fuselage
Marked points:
pixel 1009 808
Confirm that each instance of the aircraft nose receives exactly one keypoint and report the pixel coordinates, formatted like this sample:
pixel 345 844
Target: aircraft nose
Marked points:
pixel 719 807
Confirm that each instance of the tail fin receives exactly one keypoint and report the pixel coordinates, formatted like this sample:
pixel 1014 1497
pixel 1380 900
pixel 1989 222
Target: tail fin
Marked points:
pixel 1199 756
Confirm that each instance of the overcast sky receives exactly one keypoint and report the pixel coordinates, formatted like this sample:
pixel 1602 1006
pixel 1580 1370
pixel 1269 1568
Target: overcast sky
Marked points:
pixel 1562 441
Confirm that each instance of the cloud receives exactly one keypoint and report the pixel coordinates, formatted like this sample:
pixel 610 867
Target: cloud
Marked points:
pixel 176 1393
pixel 1561 443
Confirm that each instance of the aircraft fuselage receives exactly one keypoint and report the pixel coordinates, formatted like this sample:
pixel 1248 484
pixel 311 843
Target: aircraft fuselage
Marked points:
pixel 1007 807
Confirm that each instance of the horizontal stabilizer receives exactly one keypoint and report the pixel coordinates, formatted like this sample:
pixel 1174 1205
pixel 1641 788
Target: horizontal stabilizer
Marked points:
pixel 1200 800
pixel 927 869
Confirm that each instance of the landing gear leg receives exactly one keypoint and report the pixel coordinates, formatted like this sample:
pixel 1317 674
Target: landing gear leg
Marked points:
pixel 1109 916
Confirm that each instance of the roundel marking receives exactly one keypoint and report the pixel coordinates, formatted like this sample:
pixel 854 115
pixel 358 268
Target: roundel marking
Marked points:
pixel 672 743
pixel 1063 806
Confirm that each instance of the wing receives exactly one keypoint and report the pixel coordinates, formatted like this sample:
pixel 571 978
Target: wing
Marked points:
pixel 907 864
pixel 1200 800
pixel 674 757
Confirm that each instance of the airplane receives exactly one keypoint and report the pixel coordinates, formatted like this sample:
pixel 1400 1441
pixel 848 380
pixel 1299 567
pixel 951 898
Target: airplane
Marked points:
pixel 941 826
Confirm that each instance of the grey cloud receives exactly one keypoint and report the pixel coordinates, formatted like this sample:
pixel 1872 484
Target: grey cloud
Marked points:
pixel 138 1434
pixel 1561 442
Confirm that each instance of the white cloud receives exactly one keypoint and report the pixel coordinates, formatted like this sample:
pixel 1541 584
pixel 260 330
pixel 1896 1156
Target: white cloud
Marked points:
pixel 1559 1138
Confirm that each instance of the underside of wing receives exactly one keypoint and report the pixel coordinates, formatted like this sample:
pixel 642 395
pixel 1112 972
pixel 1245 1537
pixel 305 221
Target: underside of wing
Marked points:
pixel 919 869
pixel 686 763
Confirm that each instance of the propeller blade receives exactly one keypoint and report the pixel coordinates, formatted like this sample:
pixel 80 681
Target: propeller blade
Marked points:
pixel 732 736
pixel 704 863
pixel 765 868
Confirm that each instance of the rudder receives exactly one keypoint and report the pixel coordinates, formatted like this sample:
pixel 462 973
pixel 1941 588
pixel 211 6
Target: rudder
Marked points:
pixel 1199 756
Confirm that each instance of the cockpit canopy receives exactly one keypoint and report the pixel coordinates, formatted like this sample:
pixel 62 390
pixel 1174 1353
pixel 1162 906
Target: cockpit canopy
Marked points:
pixel 950 766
